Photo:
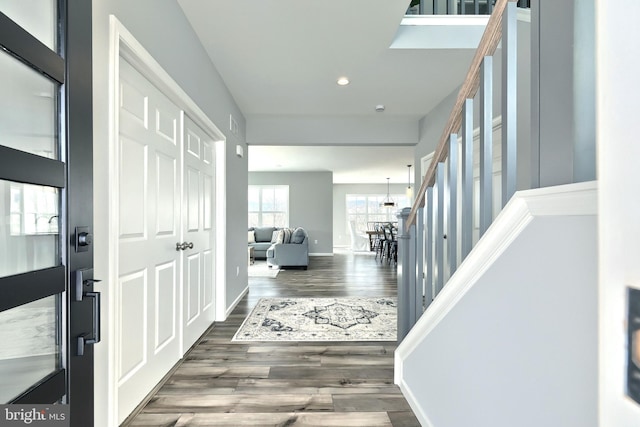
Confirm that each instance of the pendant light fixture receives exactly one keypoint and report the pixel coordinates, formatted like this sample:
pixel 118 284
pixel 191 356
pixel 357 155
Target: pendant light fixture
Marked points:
pixel 388 201
pixel 409 189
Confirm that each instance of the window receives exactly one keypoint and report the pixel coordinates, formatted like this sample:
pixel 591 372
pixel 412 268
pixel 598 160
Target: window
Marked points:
pixel 33 209
pixel 365 208
pixel 268 205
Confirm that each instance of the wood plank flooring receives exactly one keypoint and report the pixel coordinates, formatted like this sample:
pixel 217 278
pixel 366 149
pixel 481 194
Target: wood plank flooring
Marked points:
pixel 223 383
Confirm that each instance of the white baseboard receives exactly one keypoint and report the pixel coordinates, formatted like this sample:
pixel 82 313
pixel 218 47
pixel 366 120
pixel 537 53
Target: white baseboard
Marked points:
pixel 235 303
pixel 321 254
pixel 416 406
pixel 406 392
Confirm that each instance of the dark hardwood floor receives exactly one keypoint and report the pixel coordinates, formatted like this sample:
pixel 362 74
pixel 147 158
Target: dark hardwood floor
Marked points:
pixel 224 383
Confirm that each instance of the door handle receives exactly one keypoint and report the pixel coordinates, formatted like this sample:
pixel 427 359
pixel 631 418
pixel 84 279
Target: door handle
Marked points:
pixel 84 339
pixel 84 277
pixel 184 246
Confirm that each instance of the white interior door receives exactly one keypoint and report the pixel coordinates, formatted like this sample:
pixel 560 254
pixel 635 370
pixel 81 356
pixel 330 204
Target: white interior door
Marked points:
pixel 198 229
pixel 147 302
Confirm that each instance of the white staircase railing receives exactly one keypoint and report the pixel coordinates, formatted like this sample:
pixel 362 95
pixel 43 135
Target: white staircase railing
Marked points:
pixel 437 233
pixel 456 7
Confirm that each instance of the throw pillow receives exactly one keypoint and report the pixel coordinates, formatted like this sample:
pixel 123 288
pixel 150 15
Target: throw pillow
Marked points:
pixel 298 235
pixel 252 236
pixel 274 236
pixel 287 235
pixel 280 238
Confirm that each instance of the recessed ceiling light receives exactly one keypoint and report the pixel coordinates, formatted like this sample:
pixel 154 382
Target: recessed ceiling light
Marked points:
pixel 343 81
pixel 379 108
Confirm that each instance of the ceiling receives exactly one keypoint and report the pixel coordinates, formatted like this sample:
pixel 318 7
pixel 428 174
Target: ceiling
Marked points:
pixel 281 58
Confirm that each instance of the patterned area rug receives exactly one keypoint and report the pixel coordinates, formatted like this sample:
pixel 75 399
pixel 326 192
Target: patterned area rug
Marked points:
pixel 320 319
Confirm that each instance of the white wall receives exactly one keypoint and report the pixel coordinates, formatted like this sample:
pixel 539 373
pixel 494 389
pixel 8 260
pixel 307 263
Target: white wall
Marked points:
pixel 341 236
pixel 167 36
pixel 511 340
pixel 618 67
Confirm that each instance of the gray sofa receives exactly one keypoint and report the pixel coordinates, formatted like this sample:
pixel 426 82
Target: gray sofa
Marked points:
pixel 287 248
pixel 263 237
pixel 290 250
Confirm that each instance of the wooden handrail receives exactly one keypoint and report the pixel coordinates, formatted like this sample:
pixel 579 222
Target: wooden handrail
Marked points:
pixel 487 47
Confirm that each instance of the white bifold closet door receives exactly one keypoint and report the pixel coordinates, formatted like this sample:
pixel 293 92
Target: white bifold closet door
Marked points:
pixel 148 340
pixel 198 232
pixel 165 289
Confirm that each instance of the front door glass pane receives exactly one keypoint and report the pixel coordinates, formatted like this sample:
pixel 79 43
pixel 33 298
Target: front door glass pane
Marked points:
pixel 27 109
pixel 38 17
pixel 29 233
pixel 30 347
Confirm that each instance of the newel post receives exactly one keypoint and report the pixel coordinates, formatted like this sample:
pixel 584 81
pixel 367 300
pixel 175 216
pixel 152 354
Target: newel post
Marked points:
pixel 406 274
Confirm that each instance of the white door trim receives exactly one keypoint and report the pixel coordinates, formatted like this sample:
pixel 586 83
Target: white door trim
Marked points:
pixel 123 44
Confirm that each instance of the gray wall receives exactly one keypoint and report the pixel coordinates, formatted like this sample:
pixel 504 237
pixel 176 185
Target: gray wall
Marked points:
pixel 431 128
pixel 310 204
pixel 564 90
pixel 341 236
pixel 324 130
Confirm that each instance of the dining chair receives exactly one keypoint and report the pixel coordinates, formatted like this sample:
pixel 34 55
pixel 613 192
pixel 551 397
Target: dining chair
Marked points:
pixel 388 241
pixel 393 244
pixel 379 244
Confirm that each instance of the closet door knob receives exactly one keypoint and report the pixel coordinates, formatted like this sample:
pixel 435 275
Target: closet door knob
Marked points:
pixel 184 246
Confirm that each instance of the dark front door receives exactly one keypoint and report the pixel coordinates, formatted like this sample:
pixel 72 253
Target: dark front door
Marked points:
pixel 46 206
